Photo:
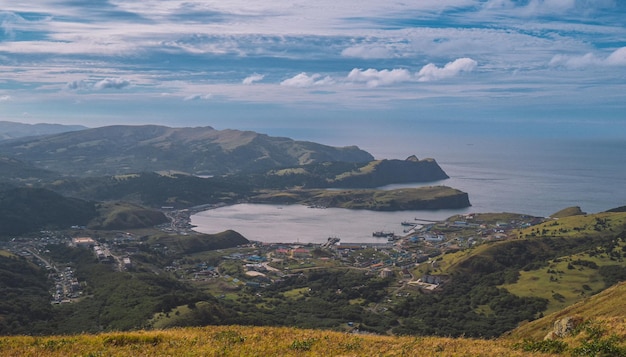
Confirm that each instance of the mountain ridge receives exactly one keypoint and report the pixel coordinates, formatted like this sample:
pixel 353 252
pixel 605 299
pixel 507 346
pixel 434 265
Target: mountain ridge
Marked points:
pixel 13 130
pixel 120 149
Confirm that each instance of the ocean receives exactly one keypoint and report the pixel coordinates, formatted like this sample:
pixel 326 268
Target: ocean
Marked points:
pixel 536 177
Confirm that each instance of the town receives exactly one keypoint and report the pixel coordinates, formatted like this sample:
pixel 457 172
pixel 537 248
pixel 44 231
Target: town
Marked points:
pixel 412 258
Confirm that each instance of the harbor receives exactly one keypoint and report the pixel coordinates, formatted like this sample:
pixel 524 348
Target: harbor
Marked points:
pixel 300 224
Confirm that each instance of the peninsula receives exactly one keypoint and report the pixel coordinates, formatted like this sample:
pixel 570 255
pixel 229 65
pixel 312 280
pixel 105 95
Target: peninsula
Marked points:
pixel 421 198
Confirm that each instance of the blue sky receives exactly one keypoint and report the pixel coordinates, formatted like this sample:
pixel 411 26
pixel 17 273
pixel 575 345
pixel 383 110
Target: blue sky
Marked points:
pixel 320 69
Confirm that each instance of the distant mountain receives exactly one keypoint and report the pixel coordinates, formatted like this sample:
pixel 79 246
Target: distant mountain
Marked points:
pixel 12 130
pixel 201 151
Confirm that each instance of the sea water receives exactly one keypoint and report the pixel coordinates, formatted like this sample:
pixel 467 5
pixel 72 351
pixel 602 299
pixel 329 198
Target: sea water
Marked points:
pixel 538 177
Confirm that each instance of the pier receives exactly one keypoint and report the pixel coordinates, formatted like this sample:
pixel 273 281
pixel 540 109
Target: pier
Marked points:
pixel 426 220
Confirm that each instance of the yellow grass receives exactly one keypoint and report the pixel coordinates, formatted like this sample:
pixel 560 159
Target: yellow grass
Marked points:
pixel 607 307
pixel 249 341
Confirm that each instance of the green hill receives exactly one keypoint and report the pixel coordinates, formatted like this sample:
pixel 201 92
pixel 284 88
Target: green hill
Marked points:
pixel 568 212
pixel 422 198
pixel 25 210
pixel 600 332
pixel 196 243
pixel 18 172
pixel 25 305
pixel 123 149
pixel 383 172
pixel 120 215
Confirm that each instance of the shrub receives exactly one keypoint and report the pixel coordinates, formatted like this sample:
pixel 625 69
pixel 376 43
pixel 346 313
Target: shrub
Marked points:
pixel 544 346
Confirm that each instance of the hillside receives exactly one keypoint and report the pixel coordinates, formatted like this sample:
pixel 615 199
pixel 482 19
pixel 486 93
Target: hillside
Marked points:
pixel 29 209
pixel 119 215
pixel 422 198
pixel 597 334
pixel 197 243
pixel 249 341
pixel 382 172
pixel 18 172
pixel 202 151
pixel 605 306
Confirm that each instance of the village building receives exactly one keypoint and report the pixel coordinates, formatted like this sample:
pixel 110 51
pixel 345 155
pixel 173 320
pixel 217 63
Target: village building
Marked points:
pixel 83 242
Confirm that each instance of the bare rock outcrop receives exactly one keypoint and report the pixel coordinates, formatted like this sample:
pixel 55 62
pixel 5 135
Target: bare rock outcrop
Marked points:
pixel 564 327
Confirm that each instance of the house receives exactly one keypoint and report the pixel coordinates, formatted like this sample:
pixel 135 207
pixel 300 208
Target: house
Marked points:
pixel 300 253
pixel 386 273
pixel 433 279
pixel 83 242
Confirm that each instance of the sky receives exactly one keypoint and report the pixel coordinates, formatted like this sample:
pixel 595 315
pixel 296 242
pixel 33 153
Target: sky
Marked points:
pixel 326 70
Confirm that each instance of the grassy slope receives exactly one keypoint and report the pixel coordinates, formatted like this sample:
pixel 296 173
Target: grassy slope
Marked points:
pixel 123 215
pixel 572 284
pixel 556 278
pixel 430 197
pixel 248 341
pixel 608 306
pixel 605 310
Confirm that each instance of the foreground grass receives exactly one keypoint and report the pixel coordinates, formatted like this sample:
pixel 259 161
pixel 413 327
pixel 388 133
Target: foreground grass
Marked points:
pixel 609 306
pixel 249 341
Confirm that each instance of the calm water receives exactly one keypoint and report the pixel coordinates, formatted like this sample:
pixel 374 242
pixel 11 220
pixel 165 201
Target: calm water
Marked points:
pixel 298 223
pixel 537 178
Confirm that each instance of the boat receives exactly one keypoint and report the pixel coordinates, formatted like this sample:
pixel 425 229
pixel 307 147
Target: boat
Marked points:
pixel 382 234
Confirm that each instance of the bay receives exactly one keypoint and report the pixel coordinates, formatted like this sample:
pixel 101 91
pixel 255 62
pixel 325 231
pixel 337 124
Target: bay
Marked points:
pixel 535 177
pixel 301 224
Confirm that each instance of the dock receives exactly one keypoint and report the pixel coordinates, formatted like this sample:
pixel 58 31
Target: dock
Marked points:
pixel 426 220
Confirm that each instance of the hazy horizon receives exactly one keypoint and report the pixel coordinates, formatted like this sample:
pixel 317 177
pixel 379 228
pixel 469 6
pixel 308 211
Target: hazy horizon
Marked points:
pixel 348 72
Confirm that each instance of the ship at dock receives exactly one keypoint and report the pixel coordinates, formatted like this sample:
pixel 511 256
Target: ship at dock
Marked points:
pixel 383 234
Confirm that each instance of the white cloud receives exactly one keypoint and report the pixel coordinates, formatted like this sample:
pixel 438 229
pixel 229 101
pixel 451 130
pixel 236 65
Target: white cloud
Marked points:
pixel 253 78
pixel 75 85
pixel 431 72
pixel 616 58
pixel 550 6
pixel 198 97
pixel 367 52
pixel 114 83
pixel 374 78
pixel 5 98
pixel 303 80
pixel 534 7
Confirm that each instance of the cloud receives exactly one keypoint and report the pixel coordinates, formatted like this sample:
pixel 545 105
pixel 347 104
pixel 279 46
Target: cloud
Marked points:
pixel 198 97
pixel 113 83
pixel 374 78
pixel 550 6
pixel 531 8
pixel 367 52
pixel 303 80
pixel 253 78
pixel 616 58
pixel 5 98
pixel 75 85
pixel 431 72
